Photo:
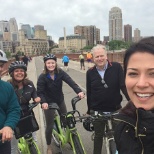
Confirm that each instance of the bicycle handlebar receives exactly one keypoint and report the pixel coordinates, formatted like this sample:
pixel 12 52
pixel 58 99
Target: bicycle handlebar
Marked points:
pixel 103 116
pixel 74 101
pixel 31 106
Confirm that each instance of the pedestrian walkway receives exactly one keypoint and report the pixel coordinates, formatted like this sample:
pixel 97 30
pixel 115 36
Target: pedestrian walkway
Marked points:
pixel 75 65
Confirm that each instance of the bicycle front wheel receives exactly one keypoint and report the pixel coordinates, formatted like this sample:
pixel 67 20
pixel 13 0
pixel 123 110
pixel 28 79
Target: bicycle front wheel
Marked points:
pixel 112 146
pixel 77 144
pixel 33 148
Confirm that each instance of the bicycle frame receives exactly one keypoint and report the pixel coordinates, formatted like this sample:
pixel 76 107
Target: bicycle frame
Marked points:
pixel 108 134
pixel 26 143
pixel 68 134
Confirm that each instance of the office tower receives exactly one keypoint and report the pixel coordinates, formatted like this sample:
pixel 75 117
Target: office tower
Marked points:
pixel 137 35
pixel 27 30
pixel 39 32
pixel 4 25
pixel 128 33
pixel 13 29
pixel 39 27
pixel 91 33
pixel 115 24
pixel 13 25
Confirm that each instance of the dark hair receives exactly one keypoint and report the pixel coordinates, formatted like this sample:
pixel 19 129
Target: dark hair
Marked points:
pixel 144 45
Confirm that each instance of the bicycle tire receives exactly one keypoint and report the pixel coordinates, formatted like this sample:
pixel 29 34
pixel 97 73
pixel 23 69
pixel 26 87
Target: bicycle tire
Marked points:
pixel 77 144
pixel 54 136
pixel 112 146
pixel 33 149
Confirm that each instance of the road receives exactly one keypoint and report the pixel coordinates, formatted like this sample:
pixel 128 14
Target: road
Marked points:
pixel 80 78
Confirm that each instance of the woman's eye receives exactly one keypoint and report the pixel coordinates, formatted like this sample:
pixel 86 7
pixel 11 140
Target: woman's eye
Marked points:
pixel 131 74
pixel 152 73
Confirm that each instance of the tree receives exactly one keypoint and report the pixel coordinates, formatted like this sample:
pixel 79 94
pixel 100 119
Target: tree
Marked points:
pixel 8 54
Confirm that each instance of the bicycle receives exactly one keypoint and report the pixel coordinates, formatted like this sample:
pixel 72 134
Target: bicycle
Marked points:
pixel 62 135
pixel 108 137
pixel 23 132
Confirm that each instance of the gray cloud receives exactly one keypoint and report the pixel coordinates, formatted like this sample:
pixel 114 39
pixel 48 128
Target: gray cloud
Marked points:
pixel 55 15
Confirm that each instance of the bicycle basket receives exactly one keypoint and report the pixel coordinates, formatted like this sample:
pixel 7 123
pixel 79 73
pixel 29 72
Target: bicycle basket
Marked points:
pixel 26 125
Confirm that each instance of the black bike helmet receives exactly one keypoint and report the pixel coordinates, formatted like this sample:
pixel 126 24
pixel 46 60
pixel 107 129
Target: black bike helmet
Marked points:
pixel 87 124
pixel 3 56
pixel 49 56
pixel 16 65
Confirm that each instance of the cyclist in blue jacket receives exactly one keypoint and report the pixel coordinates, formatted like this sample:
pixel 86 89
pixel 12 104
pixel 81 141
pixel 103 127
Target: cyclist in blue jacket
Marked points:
pixel 9 110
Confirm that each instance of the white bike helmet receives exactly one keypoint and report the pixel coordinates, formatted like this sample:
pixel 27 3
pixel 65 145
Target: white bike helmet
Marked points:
pixel 3 56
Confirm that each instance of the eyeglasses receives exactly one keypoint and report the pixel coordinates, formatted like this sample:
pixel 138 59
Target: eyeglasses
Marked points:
pixel 104 83
pixel 1 65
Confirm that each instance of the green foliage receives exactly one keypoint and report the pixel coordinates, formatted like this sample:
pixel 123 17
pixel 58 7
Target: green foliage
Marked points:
pixel 87 47
pixel 8 54
pixel 73 51
pixel 118 45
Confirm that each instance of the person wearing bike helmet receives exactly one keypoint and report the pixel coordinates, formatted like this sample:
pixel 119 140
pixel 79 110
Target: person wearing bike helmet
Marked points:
pixel 134 133
pixel 49 88
pixel 24 89
pixel 9 110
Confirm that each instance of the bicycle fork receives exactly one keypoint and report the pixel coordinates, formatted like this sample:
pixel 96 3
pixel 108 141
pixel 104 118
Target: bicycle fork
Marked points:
pixel 108 136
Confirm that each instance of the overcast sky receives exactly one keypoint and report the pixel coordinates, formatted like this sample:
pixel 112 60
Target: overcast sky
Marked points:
pixel 56 14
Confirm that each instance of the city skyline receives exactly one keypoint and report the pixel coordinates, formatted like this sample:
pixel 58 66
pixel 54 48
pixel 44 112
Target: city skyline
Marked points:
pixel 54 15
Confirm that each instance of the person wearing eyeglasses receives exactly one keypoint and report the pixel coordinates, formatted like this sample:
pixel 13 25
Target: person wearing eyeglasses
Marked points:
pixel 9 110
pixel 103 84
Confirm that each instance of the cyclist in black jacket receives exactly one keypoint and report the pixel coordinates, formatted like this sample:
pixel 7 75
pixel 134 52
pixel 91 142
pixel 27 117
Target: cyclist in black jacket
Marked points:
pixel 103 84
pixel 49 88
pixel 24 89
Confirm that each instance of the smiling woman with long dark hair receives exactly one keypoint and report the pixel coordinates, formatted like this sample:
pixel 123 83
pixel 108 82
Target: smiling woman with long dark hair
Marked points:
pixel 135 132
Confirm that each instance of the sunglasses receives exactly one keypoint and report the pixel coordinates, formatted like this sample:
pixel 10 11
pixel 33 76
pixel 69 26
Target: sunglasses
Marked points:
pixel 104 83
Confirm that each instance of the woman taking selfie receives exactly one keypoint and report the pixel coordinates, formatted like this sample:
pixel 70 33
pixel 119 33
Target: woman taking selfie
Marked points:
pixel 134 133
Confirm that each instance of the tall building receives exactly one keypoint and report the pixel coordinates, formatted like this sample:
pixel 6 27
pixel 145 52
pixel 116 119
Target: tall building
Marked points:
pixel 39 27
pixel 137 35
pixel 91 33
pixel 27 30
pixel 13 29
pixel 4 25
pixel 115 24
pixel 39 32
pixel 128 33
pixel 13 25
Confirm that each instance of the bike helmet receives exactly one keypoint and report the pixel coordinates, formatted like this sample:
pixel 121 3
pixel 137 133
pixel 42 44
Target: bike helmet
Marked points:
pixel 87 124
pixel 49 56
pixel 16 65
pixel 3 56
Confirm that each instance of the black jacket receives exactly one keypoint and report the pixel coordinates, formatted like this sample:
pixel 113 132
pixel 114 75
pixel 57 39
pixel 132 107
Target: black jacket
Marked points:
pixel 29 92
pixel 51 90
pixel 134 133
pixel 105 99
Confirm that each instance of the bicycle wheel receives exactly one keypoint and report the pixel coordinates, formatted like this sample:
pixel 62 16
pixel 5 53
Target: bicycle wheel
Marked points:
pixel 33 148
pixel 77 144
pixel 112 146
pixel 54 136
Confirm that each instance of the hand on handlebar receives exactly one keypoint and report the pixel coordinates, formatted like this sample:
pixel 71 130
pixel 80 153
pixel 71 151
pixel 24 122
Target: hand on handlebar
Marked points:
pixel 7 133
pixel 44 106
pixel 81 95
